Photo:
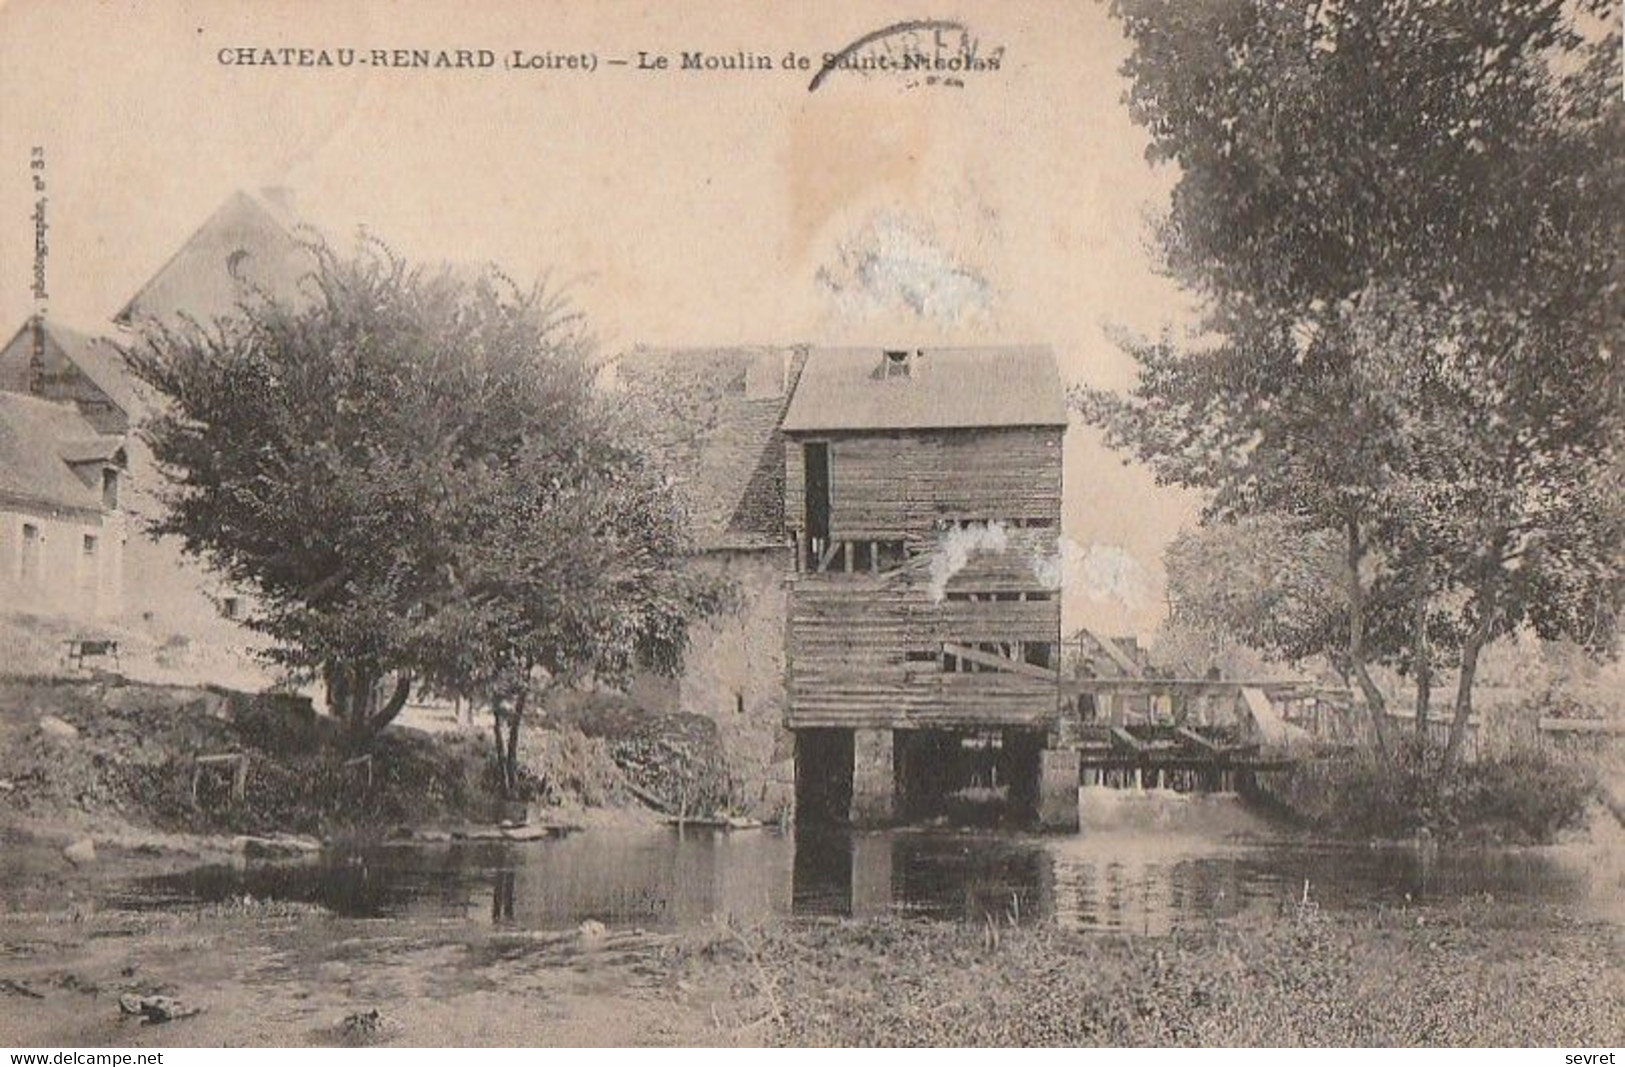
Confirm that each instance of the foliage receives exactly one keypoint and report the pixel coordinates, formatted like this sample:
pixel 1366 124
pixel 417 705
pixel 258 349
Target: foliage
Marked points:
pixel 1528 795
pixel 1266 580
pixel 1463 976
pixel 1401 217
pixel 413 473
pixel 1184 648
pixel 1326 145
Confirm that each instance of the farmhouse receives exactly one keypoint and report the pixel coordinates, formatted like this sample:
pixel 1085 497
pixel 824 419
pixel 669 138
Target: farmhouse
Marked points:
pixel 249 242
pixel 61 528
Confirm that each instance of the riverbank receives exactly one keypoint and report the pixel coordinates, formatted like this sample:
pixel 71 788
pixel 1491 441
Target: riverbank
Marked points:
pixel 274 973
pixel 1466 975
pixel 140 768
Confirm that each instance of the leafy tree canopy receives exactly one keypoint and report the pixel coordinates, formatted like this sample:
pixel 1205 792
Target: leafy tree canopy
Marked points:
pixel 1403 218
pixel 413 473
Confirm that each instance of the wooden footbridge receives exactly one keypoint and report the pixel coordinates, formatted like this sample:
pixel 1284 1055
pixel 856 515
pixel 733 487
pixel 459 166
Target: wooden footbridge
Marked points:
pixel 1189 733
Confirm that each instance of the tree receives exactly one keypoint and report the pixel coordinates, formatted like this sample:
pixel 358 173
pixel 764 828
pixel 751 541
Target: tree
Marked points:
pixel 413 475
pixel 1342 159
pixel 576 574
pixel 1499 489
pixel 1275 585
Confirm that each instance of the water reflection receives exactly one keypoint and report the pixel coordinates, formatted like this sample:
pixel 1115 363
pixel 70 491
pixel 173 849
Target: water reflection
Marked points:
pixel 1141 871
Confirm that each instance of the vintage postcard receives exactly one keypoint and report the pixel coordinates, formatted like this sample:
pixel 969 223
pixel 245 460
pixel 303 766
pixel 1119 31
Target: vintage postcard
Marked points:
pixel 730 523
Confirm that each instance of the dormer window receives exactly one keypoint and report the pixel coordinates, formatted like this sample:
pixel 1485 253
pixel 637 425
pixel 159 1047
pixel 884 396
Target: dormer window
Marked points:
pixel 899 363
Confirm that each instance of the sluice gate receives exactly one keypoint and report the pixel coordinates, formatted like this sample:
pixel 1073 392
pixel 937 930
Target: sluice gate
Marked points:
pixel 1165 756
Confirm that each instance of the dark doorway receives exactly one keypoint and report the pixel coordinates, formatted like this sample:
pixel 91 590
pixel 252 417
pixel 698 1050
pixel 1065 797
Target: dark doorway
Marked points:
pixel 823 776
pixel 816 459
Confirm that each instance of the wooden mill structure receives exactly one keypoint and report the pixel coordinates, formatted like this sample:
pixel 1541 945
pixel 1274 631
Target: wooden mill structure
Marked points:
pixel 923 503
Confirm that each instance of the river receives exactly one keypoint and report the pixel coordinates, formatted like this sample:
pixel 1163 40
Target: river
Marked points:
pixel 1143 863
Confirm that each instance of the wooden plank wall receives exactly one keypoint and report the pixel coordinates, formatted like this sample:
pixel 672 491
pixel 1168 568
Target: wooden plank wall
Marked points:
pixel 850 634
pixel 899 485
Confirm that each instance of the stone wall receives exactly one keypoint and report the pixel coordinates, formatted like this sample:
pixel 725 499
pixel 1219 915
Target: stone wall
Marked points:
pixel 733 674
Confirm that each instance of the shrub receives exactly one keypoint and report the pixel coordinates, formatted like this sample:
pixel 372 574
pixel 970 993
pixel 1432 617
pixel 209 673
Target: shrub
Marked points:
pixel 1524 796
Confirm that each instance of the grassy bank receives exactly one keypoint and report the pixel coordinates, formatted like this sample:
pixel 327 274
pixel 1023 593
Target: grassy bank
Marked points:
pixel 96 755
pixel 112 759
pixel 1527 796
pixel 1471 976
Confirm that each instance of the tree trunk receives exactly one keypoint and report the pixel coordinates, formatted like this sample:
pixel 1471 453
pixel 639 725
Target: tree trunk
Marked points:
pixel 1471 646
pixel 1422 662
pixel 385 713
pixel 1464 701
pixel 352 696
pixel 1376 704
pixel 359 686
pixel 518 716
pixel 505 731
pixel 501 739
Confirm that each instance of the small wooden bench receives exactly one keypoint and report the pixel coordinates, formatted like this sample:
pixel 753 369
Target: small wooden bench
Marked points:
pixel 81 649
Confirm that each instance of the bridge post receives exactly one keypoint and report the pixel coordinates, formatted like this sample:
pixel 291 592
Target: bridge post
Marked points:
pixel 1058 789
pixel 874 778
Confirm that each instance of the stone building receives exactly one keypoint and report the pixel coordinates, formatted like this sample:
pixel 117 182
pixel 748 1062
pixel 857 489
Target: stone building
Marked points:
pixel 61 525
pixel 248 243
pixel 711 418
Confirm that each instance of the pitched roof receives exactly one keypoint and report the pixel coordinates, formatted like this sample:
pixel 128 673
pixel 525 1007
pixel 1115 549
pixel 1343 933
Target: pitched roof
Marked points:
pixel 946 388
pixel 38 440
pixel 97 357
pixel 249 241
pixel 710 418
pixel 100 360
pixel 102 448
pixel 1113 649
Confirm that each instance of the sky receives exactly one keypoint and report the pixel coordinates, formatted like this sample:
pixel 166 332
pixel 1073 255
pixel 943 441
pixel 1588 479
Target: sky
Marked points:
pixel 678 207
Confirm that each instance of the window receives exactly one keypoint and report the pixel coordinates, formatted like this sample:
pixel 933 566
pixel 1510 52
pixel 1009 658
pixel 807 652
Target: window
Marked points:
pixel 898 363
pixel 842 556
pixel 739 703
pixel 1039 653
pixel 231 607
pixel 29 565
pixel 236 262
pixel 997 657
pixel 815 463
pixel 917 655
pixel 88 571
pixel 110 488
pixel 889 555
pixel 956 522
